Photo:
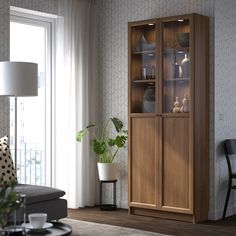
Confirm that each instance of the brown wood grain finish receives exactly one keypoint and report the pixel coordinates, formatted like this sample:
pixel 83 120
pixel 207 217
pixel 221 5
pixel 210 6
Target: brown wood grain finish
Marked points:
pixel 176 169
pixel 159 66
pixel 143 160
pixel 162 214
pixel 168 152
pixel 201 126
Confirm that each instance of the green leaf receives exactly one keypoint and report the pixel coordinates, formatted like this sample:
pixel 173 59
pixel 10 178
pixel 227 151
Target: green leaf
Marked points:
pixel 125 131
pixel 111 142
pixel 99 147
pixel 80 135
pixel 120 141
pixel 117 123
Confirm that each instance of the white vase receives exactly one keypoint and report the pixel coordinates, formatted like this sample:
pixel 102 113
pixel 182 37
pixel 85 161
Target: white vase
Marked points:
pixel 107 171
pixel 185 66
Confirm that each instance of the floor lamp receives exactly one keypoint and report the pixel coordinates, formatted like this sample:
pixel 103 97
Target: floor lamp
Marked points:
pixel 18 79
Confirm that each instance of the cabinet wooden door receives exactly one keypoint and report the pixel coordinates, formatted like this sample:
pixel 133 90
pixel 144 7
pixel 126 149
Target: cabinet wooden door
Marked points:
pixel 177 166
pixel 143 162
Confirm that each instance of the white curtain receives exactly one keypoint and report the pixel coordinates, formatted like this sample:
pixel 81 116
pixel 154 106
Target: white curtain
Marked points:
pixel 76 101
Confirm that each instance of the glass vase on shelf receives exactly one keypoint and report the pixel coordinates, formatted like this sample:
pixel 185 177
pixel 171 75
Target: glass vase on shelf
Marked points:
pixel 149 99
pixel 185 66
pixel 141 43
pixel 144 72
pixel 176 69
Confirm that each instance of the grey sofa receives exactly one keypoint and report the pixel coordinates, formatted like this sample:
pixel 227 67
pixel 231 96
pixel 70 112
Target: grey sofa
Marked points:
pixel 40 199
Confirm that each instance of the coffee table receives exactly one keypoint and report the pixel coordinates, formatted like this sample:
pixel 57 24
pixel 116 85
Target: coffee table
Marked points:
pixel 58 229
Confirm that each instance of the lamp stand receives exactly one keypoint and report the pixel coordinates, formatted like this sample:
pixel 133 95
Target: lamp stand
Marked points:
pixel 16 135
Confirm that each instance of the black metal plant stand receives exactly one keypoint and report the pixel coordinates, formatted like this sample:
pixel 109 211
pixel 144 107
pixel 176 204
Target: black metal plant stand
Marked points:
pixel 108 207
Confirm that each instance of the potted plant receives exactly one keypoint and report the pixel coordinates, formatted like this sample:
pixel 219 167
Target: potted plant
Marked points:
pixel 106 143
pixel 9 202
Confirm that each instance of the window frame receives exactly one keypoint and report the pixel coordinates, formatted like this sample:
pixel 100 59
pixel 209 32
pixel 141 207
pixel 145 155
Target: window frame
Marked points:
pixel 48 21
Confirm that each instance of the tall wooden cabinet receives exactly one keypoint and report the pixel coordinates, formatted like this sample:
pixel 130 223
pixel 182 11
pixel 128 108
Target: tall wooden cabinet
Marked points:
pixel 168 117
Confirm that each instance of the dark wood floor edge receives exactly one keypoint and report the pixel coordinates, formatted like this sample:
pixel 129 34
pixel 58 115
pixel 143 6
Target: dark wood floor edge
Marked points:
pixel 121 218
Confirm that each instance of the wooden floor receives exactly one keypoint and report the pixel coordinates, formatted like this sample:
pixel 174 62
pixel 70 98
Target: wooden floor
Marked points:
pixel 121 217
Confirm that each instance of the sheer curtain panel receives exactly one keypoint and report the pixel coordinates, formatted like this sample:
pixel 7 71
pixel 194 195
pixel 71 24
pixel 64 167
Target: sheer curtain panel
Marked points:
pixel 75 168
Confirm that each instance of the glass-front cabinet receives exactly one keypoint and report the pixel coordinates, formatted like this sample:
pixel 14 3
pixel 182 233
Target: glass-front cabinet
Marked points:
pixel 176 66
pixel 159 57
pixel 168 117
pixel 143 67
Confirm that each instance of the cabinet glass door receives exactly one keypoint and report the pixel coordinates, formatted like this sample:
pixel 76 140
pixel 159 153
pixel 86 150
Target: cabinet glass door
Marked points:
pixel 176 66
pixel 143 68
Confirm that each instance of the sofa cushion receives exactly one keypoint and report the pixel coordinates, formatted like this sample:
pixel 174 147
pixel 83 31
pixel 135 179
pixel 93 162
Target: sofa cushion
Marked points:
pixel 35 193
pixel 7 170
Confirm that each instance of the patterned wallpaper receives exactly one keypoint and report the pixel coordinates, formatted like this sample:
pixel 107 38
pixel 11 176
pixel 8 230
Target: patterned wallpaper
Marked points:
pixel 225 98
pixel 48 6
pixel 4 55
pixel 113 62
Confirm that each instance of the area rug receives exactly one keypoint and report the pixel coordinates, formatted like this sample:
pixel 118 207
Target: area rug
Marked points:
pixel 84 228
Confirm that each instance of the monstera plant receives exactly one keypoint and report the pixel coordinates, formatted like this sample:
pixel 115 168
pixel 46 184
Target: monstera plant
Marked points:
pixel 107 141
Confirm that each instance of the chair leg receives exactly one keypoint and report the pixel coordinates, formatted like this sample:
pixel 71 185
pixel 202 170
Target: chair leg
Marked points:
pixel 227 198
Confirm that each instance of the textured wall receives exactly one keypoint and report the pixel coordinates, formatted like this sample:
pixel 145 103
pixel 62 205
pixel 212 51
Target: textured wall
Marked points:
pixel 48 6
pixel 225 97
pixel 113 61
pixel 4 55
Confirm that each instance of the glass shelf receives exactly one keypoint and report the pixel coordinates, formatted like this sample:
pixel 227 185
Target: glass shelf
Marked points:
pixel 149 53
pixel 142 81
pixel 175 50
pixel 178 80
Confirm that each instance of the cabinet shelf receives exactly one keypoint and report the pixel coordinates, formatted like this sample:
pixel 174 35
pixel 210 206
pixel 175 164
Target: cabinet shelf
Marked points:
pixel 143 81
pixel 177 80
pixel 175 50
pixel 149 52
pixel 171 114
pixel 142 114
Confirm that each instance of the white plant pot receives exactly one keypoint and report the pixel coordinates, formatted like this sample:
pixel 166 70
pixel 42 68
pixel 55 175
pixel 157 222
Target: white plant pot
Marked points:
pixel 107 171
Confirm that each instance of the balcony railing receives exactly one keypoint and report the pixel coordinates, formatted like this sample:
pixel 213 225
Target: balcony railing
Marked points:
pixel 31 166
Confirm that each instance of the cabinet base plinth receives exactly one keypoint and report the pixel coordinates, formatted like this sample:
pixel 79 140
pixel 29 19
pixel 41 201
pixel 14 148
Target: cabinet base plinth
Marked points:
pixel 162 214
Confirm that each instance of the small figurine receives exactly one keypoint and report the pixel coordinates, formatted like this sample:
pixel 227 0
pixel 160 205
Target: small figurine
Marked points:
pixel 185 105
pixel 176 108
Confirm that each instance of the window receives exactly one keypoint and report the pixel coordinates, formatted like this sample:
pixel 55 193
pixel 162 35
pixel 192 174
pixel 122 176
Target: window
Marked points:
pixel 31 40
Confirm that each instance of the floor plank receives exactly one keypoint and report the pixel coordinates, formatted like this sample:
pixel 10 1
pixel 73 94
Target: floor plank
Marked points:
pixel 121 217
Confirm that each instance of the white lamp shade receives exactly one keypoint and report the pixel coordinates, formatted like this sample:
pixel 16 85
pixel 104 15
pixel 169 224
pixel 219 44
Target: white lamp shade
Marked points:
pixel 18 79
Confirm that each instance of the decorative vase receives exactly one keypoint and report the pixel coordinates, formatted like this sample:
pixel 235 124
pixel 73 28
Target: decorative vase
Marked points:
pixel 141 44
pixel 176 69
pixel 107 171
pixel 183 39
pixel 185 66
pixel 149 99
pixel 185 105
pixel 176 108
